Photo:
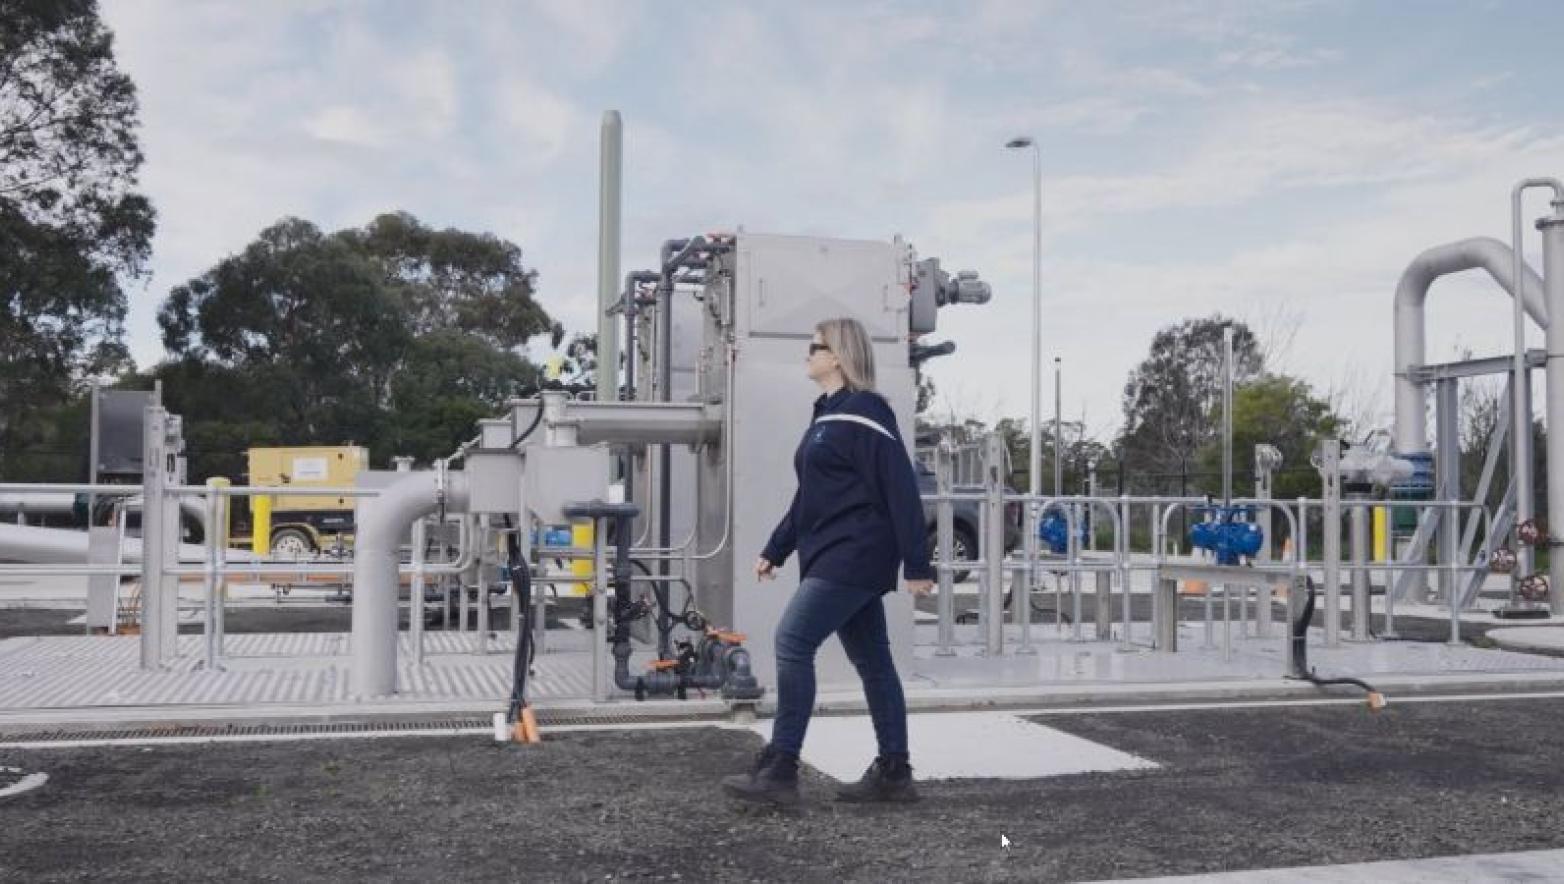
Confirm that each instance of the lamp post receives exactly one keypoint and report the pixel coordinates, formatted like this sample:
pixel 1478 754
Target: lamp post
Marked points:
pixel 1035 467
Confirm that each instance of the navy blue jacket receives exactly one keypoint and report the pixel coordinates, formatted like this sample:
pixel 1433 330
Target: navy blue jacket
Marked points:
pixel 857 513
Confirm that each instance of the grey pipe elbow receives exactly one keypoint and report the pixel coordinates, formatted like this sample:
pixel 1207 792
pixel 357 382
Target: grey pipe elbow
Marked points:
pixel 380 525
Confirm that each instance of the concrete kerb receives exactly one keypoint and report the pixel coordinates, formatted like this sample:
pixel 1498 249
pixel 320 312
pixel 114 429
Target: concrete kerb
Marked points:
pixel 18 724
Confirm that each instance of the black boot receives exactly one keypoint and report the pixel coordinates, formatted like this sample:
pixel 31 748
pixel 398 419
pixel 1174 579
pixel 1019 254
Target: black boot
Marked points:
pixel 889 778
pixel 772 780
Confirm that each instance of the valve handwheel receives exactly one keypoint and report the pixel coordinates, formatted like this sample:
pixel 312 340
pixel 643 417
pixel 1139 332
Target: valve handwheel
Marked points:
pixel 1502 561
pixel 1533 588
pixel 1529 532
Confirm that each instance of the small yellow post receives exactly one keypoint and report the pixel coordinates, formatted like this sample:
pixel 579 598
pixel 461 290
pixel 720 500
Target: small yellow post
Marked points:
pixel 1381 534
pixel 582 536
pixel 261 524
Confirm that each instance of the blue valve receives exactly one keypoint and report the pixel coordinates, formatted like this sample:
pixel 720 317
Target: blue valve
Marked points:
pixel 1228 532
pixel 1054 529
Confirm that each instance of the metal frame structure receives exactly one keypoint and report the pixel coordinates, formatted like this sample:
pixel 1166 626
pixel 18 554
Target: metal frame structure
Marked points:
pixel 708 469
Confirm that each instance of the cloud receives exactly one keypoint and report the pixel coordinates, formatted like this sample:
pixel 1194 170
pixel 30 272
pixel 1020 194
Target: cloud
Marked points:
pixel 538 123
pixel 1276 57
pixel 1170 189
pixel 593 32
pixel 1411 181
pixel 347 125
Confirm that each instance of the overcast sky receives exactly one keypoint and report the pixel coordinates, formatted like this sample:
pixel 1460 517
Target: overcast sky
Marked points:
pixel 1276 160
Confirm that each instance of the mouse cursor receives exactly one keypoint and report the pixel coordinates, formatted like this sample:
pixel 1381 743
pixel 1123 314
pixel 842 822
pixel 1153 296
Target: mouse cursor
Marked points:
pixel 1004 841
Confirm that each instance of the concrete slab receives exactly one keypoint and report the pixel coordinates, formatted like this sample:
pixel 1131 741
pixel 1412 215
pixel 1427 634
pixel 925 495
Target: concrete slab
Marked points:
pixel 1544 639
pixel 1539 865
pixel 945 746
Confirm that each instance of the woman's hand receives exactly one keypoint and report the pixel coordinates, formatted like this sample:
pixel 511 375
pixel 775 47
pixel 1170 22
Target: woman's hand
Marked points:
pixel 920 587
pixel 764 569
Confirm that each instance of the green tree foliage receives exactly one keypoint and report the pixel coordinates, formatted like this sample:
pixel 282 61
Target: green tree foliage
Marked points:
pixel 71 222
pixel 394 335
pixel 453 280
pixel 1077 454
pixel 1273 410
pixel 1172 399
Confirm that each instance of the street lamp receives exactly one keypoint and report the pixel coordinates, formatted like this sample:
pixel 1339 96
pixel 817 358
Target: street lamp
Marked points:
pixel 1036 465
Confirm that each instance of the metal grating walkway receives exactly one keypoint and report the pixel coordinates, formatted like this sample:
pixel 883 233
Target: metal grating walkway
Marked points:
pixel 60 672
pixel 71 677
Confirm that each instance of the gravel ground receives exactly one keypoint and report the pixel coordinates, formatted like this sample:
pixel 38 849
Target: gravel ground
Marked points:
pixel 1237 789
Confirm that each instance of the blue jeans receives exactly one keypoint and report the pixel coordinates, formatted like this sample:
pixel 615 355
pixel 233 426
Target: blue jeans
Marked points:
pixel 857 616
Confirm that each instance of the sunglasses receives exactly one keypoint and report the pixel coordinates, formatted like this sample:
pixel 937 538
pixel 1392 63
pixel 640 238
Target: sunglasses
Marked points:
pixel 817 348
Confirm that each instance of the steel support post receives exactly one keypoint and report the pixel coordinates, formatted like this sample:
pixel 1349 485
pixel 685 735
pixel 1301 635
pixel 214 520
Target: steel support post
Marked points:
pixel 1447 469
pixel 1164 615
pixel 152 530
pixel 1362 604
pixel 945 519
pixel 1104 609
pixel 992 550
pixel 1330 483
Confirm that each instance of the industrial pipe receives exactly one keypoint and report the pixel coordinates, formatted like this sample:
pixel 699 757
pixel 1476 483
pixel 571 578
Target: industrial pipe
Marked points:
pixel 57 503
pixel 720 663
pixel 1480 253
pixel 1553 273
pixel 631 312
pixel 33 545
pixel 381 523
pixel 610 178
pixel 1522 461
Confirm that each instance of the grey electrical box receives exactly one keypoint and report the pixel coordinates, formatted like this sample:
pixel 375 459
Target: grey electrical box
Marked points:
pixel 927 281
pixel 494 481
pixel 121 416
pixel 567 474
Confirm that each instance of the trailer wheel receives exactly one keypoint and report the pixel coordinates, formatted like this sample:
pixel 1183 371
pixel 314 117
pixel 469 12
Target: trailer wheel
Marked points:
pixel 291 543
pixel 963 548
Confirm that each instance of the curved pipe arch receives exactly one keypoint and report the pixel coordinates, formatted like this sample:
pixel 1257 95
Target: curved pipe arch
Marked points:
pixel 1479 253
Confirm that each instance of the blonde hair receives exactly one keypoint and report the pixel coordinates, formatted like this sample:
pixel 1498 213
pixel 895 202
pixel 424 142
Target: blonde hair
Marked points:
pixel 854 351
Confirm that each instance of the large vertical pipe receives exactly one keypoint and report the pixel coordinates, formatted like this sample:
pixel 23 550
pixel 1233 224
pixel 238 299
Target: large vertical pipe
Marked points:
pixel 1553 284
pixel 1520 412
pixel 610 176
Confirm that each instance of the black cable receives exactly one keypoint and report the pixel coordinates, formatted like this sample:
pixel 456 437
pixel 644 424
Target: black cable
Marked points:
pixel 521 584
pixel 1300 645
pixel 536 419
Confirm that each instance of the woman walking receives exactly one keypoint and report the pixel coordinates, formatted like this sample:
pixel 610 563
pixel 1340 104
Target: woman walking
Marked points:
pixel 856 517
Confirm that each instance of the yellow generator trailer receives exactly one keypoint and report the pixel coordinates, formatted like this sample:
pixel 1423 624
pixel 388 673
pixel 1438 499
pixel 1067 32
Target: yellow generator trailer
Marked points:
pixel 288 525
